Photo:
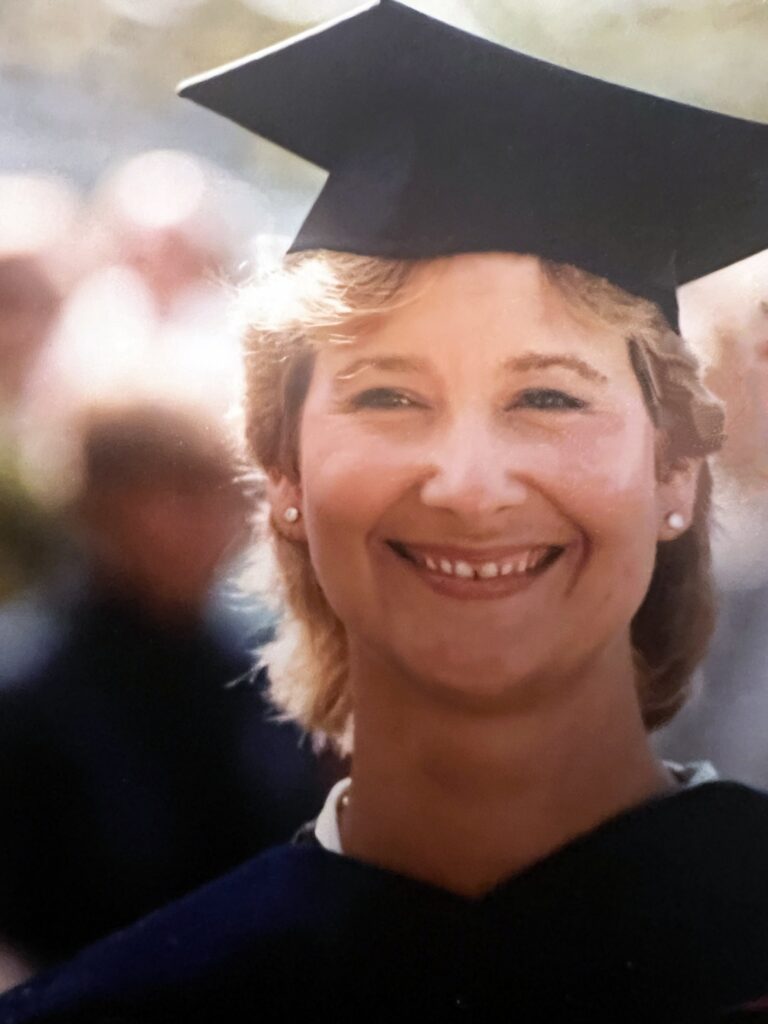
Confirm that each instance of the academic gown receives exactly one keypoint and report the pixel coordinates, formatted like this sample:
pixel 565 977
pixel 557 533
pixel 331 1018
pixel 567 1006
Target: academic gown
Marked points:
pixel 660 914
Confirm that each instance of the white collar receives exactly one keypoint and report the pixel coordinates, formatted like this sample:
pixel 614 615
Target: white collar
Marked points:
pixel 327 825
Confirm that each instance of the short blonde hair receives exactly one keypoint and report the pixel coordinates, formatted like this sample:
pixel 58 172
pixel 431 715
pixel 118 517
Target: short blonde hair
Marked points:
pixel 322 298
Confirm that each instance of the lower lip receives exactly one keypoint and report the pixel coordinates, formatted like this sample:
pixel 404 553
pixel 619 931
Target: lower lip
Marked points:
pixel 476 589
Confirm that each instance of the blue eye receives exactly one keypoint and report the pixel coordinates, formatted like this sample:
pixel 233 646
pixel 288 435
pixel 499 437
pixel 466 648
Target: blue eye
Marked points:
pixel 382 398
pixel 547 398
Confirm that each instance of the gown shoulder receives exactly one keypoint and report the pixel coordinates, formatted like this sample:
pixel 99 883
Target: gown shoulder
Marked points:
pixel 660 914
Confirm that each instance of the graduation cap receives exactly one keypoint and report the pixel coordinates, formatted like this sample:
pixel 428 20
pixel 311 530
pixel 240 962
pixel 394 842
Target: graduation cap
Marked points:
pixel 439 142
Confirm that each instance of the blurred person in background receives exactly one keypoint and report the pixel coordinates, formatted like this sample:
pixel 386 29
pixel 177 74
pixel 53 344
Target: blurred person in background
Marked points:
pixel 161 216
pixel 726 317
pixel 37 214
pixel 161 237
pixel 136 758
pixel 29 303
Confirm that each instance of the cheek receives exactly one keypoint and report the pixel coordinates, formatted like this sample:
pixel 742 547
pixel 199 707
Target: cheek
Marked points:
pixel 606 480
pixel 608 466
pixel 344 470
pixel 349 482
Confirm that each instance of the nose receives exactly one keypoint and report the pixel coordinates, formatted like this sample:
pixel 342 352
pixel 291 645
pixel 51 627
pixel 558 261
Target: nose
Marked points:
pixel 473 472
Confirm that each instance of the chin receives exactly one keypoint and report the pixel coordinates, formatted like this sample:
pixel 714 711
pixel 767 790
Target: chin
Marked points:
pixel 473 681
pixel 506 676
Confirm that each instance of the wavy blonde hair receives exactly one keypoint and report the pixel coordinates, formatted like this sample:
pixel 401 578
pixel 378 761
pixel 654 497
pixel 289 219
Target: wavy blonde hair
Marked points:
pixel 323 298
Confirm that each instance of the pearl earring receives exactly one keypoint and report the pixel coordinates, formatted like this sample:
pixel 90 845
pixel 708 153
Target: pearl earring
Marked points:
pixel 291 514
pixel 675 521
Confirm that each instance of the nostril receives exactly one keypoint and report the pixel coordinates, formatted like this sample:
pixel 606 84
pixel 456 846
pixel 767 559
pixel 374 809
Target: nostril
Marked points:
pixel 471 491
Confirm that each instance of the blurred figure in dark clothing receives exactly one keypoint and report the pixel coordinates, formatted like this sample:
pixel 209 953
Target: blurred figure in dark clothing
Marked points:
pixel 137 757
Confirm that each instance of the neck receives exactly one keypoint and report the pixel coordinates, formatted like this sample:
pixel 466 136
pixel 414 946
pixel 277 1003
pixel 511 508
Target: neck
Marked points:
pixel 463 800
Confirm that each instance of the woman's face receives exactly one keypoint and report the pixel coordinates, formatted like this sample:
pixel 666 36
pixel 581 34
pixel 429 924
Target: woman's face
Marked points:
pixel 478 483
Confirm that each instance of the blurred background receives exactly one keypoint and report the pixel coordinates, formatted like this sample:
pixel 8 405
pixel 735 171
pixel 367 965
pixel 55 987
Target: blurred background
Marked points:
pixel 127 219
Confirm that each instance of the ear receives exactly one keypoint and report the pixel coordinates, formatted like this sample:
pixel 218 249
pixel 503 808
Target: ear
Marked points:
pixel 676 498
pixel 283 494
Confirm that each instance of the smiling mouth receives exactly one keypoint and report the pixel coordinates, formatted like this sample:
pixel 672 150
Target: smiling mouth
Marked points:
pixel 523 562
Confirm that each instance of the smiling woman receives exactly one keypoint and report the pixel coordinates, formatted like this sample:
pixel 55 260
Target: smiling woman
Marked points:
pixel 485 449
pixel 336 306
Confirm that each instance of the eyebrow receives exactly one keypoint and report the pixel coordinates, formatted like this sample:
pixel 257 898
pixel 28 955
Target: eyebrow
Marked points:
pixel 517 364
pixel 401 364
pixel 540 361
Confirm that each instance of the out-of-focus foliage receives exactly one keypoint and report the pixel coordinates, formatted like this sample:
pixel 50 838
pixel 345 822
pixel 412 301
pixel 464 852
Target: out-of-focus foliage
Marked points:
pixel 706 51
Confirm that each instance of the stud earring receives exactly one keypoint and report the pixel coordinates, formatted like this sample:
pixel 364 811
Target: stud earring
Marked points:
pixel 675 521
pixel 291 514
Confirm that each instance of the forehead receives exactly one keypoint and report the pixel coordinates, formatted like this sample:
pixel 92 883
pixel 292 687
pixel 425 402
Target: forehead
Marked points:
pixel 487 307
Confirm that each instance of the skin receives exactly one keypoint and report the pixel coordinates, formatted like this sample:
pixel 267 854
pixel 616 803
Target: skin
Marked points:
pixel 494 720
pixel 161 544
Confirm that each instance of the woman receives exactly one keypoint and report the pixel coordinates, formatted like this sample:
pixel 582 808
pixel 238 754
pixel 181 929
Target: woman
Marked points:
pixel 486 458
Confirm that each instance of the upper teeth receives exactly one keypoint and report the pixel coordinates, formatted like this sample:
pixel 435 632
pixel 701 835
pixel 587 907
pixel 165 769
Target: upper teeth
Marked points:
pixel 514 564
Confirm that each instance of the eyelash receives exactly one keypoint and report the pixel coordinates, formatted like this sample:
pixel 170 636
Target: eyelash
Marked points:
pixel 544 399
pixel 549 399
pixel 383 398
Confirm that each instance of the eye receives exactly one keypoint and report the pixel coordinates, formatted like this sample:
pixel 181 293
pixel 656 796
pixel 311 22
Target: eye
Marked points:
pixel 383 398
pixel 547 398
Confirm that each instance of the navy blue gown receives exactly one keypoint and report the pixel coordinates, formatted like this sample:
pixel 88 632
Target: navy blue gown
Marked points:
pixel 660 914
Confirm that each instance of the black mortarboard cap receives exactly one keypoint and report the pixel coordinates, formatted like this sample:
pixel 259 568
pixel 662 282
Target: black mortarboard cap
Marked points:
pixel 437 142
